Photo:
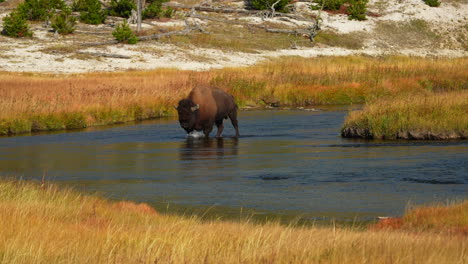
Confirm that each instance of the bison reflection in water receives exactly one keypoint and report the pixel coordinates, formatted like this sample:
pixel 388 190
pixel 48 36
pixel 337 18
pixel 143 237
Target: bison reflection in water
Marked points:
pixel 208 148
pixel 204 107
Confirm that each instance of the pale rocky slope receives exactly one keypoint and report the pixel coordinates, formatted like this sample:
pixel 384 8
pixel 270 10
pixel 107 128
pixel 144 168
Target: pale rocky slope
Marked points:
pixel 407 27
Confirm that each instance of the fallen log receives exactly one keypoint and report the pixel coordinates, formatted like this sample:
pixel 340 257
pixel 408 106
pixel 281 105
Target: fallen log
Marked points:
pixel 161 35
pixel 226 21
pixel 187 30
pixel 91 44
pixel 306 32
pixel 233 11
pixel 92 32
pixel 288 31
pixel 107 55
pixel 210 9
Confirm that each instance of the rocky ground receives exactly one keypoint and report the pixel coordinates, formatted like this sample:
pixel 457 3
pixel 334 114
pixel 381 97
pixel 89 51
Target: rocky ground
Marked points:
pixel 407 27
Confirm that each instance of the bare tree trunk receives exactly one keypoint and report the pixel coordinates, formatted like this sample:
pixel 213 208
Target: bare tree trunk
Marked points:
pixel 139 15
pixel 273 8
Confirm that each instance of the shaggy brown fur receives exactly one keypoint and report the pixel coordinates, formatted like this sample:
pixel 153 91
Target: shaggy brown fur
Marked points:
pixel 204 107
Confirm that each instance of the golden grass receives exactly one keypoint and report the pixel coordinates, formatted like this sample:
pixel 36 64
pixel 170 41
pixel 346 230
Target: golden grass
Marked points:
pixel 34 102
pixel 42 102
pixel 433 115
pixel 350 40
pixel 42 224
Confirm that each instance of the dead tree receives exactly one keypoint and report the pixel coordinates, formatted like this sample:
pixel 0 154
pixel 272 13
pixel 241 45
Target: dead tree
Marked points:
pixel 315 28
pixel 273 10
pixel 139 15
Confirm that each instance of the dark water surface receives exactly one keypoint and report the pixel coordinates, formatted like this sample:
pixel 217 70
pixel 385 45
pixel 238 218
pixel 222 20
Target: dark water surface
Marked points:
pixel 286 163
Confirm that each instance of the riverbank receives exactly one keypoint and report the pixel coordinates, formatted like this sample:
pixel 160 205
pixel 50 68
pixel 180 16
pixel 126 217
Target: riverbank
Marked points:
pixel 40 223
pixel 433 116
pixel 41 102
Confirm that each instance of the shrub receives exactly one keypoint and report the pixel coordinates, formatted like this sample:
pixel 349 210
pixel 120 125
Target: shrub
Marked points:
pixel 432 3
pixel 91 12
pixel 122 8
pixel 15 25
pixel 357 9
pixel 331 5
pixel 40 10
pixel 154 10
pixel 123 33
pixel 266 4
pixel 64 23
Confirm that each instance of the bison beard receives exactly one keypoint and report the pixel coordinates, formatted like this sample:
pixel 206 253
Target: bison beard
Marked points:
pixel 204 107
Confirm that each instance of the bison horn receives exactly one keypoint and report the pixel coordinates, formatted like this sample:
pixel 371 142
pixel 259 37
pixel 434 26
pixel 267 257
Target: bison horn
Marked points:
pixel 175 106
pixel 194 108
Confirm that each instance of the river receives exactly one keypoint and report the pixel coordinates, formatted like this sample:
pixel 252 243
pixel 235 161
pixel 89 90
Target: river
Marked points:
pixel 287 163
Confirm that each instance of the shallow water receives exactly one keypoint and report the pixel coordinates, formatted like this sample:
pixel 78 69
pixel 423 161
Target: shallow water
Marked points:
pixel 286 163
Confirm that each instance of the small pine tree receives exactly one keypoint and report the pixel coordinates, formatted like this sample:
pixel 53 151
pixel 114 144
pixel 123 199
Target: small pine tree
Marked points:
pixel 123 33
pixel 432 3
pixel 357 9
pixel 154 10
pixel 40 10
pixel 15 25
pixel 92 12
pixel 64 23
pixel 121 8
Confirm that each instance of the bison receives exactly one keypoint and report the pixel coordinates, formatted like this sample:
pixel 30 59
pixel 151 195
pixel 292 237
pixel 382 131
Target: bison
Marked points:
pixel 204 107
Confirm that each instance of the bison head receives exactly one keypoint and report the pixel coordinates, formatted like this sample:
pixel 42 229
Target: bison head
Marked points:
pixel 188 113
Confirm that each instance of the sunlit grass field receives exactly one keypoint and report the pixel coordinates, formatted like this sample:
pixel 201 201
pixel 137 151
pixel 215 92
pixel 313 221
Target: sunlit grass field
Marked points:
pixel 37 102
pixel 40 223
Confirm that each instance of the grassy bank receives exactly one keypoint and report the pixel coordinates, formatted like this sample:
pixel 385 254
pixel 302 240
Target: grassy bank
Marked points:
pixel 428 116
pixel 43 224
pixel 30 102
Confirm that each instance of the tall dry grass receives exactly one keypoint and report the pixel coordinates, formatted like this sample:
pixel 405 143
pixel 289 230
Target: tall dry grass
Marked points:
pixel 30 102
pixel 44 102
pixel 42 224
pixel 427 116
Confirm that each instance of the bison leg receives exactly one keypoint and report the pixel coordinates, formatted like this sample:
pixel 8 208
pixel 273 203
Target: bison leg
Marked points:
pixel 233 117
pixel 207 131
pixel 220 126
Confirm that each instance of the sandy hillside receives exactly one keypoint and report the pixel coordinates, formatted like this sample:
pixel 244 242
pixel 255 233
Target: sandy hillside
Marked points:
pixel 407 27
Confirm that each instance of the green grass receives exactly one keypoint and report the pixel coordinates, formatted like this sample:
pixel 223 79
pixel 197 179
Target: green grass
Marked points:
pixel 350 40
pixel 414 33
